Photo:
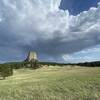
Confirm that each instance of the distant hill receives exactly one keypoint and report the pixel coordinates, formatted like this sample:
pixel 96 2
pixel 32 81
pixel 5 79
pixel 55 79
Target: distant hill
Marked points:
pixel 90 64
pixel 23 64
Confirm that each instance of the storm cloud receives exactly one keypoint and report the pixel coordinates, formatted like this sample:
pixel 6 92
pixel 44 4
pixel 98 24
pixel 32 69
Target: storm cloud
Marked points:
pixel 40 25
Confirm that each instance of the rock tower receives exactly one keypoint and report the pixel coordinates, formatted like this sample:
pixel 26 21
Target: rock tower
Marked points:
pixel 32 56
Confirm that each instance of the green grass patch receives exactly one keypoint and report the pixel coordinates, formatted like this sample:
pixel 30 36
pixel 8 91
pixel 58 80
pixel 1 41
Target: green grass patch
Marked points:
pixel 52 83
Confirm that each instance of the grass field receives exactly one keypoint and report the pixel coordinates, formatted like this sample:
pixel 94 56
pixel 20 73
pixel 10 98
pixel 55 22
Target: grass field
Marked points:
pixel 52 83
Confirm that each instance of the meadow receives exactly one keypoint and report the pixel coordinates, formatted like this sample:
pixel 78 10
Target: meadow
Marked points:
pixel 52 83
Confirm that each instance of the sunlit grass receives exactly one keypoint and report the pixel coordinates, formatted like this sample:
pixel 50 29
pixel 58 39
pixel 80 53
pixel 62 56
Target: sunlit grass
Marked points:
pixel 52 83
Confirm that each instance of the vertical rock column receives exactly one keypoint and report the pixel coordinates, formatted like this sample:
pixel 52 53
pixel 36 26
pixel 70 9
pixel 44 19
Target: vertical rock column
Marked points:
pixel 32 59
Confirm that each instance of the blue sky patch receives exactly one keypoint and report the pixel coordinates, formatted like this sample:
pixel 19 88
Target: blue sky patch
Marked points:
pixel 77 6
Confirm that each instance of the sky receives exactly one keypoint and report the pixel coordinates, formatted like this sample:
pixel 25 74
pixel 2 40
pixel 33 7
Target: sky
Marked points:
pixel 77 6
pixel 58 30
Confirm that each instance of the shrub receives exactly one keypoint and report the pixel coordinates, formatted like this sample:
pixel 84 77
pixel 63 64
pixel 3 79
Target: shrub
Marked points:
pixel 5 70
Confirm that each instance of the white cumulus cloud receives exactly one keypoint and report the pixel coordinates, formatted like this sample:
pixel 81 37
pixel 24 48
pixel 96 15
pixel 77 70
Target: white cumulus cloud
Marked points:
pixel 40 25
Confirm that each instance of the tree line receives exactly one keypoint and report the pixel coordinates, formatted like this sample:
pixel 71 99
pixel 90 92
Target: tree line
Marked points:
pixel 6 69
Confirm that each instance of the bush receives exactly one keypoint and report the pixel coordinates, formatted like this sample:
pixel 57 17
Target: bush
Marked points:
pixel 5 70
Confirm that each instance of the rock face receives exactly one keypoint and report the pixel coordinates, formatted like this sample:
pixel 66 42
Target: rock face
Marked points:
pixel 32 56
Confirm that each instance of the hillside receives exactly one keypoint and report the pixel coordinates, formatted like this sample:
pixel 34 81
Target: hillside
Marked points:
pixel 52 83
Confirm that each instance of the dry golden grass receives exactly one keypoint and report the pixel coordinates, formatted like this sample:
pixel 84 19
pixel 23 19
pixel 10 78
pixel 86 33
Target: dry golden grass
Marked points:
pixel 52 83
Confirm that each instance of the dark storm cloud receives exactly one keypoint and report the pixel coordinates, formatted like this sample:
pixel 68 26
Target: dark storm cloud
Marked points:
pixel 57 47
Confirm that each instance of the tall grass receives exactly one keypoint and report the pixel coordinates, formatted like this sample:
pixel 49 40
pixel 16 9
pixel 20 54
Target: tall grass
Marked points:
pixel 52 83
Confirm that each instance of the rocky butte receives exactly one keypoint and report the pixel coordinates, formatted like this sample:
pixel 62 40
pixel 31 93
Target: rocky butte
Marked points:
pixel 32 56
